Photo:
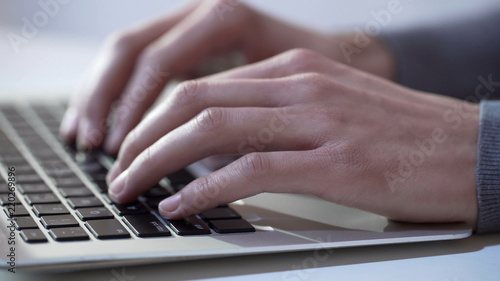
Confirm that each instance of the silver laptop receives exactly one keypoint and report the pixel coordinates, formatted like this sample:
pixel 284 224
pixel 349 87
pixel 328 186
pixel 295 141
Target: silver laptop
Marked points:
pixel 56 214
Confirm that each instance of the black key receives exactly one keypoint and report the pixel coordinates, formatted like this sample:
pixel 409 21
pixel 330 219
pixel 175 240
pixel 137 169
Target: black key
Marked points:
pixel 102 186
pixel 231 226
pixel 41 198
pixel 50 209
pixel 153 202
pixel 157 191
pixel 63 172
pixel 59 221
pixel 67 182
pixel 94 213
pixel 68 234
pixel 178 186
pixel 33 236
pixel 220 214
pixel 146 225
pixel 29 178
pixel 4 188
pixel 25 222
pixel 81 202
pixel 16 211
pixel 75 192
pixel 24 169
pixel 29 188
pixel 181 176
pixel 9 198
pixel 107 229
pixel 189 226
pixel 130 209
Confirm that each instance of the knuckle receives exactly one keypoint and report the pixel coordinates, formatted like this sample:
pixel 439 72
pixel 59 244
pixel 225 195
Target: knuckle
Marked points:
pixel 302 60
pixel 148 56
pixel 146 158
pixel 211 119
pixel 122 41
pixel 346 153
pixel 186 92
pixel 254 165
pixel 315 85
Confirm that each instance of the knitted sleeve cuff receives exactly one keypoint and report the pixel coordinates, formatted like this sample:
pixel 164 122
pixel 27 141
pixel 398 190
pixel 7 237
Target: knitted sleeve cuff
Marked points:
pixel 488 168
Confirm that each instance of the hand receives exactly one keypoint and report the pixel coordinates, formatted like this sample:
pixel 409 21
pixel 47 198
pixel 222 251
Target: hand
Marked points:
pixel 136 64
pixel 307 124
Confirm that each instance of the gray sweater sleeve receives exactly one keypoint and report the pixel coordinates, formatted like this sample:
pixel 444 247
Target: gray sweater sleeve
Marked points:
pixel 460 59
pixel 488 168
pixel 447 58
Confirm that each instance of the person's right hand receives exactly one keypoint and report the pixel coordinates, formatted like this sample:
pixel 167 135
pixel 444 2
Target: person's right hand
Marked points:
pixel 136 64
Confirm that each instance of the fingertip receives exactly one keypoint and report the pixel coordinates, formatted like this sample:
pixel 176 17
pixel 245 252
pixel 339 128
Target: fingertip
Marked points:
pixel 69 125
pixel 113 172
pixel 169 208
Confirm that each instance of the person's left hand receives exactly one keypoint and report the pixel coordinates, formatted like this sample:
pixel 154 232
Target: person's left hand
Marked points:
pixel 306 124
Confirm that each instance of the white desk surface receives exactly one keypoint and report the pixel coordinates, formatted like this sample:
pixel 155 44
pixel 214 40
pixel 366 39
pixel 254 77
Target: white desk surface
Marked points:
pixel 55 73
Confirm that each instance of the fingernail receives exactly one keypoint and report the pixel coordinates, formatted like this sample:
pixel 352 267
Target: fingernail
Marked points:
pixel 113 172
pixel 170 204
pixel 117 187
pixel 69 124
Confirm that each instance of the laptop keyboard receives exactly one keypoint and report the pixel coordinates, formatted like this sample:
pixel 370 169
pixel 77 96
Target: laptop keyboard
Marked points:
pixel 51 191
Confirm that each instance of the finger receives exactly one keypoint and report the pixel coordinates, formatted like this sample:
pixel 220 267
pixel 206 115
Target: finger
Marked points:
pixel 299 61
pixel 90 106
pixel 214 131
pixel 188 100
pixel 289 171
pixel 179 50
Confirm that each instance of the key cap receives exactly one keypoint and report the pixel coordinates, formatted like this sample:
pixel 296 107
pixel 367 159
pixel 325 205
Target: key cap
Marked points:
pixel 153 202
pixel 41 198
pixel 29 188
pixel 146 225
pixel 29 178
pixel 82 202
pixel 68 234
pixel 181 176
pixel 25 222
pixel 59 221
pixel 93 213
pixel 68 182
pixel 50 209
pixel 4 188
pixel 157 191
pixel 33 236
pixel 231 226
pixel 63 172
pixel 75 192
pixel 8 199
pixel 189 226
pixel 16 211
pixel 130 209
pixel 220 214
pixel 107 229
pixel 24 169
pixel 102 186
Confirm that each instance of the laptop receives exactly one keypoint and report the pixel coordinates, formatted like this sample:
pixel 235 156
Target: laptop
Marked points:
pixel 56 215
